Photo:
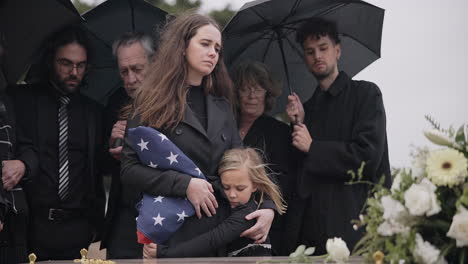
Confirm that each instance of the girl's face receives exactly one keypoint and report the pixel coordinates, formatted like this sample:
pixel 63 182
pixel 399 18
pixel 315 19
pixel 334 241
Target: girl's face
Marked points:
pixel 202 53
pixel 237 186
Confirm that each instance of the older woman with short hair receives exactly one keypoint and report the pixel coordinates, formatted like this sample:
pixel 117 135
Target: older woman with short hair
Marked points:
pixel 257 91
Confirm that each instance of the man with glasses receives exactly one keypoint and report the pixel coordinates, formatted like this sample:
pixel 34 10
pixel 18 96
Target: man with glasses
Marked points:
pixel 60 143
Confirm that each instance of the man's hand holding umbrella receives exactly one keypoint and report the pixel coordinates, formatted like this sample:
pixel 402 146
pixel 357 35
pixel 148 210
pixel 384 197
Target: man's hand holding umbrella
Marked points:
pixel 301 138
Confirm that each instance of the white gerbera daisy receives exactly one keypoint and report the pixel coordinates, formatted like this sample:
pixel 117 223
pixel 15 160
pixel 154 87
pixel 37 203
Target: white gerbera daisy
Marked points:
pixel 446 167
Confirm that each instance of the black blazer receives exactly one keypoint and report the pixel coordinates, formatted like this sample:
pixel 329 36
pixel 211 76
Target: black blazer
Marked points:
pixel 28 100
pixel 204 148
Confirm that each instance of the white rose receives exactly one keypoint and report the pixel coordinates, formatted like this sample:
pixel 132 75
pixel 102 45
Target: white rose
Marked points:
pixel 459 227
pixel 391 227
pixel 421 199
pixel 393 209
pixel 425 253
pixel 337 250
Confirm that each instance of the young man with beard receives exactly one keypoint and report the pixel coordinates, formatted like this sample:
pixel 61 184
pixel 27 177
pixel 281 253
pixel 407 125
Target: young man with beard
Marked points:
pixel 60 141
pixel 134 52
pixel 341 126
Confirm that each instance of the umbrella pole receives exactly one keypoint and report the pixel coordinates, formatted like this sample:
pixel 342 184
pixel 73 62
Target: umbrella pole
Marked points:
pixel 280 43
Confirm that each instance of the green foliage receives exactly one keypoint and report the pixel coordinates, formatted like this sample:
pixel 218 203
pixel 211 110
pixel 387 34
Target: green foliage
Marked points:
pixel 435 124
pixel 222 16
pixel 178 7
pixel 463 200
pixel 82 6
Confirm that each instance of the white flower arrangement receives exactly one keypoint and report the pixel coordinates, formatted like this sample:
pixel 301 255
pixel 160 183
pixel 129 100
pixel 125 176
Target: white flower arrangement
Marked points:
pixel 423 217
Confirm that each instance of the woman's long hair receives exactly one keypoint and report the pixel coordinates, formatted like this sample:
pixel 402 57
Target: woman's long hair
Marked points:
pixel 236 159
pixel 161 101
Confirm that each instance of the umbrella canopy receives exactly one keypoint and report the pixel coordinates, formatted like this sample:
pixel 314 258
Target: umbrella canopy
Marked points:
pixel 25 24
pixel 265 31
pixel 107 22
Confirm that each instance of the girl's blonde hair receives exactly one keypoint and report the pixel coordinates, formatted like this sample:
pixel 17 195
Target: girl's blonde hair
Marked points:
pixel 248 158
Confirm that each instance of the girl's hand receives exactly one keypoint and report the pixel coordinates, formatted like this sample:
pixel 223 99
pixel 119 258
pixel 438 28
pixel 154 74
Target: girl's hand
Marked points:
pixel 149 251
pixel 259 231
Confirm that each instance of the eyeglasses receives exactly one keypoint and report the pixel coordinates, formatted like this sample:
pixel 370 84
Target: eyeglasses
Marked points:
pixel 67 66
pixel 254 91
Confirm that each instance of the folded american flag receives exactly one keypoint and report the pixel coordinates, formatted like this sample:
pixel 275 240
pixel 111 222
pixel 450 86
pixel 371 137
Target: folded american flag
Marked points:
pixel 159 217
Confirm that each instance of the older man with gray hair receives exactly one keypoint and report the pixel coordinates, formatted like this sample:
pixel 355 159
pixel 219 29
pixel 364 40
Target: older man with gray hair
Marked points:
pixel 134 52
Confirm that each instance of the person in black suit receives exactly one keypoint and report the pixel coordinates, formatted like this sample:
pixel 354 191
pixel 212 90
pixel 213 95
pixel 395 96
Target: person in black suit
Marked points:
pixel 341 126
pixel 134 52
pixel 13 206
pixel 184 97
pixel 257 91
pixel 60 142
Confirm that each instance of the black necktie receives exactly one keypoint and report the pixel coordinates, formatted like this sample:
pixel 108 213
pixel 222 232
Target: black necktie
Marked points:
pixel 63 147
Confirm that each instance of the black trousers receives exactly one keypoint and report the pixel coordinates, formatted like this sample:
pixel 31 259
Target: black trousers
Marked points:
pixel 122 242
pixel 13 239
pixel 59 240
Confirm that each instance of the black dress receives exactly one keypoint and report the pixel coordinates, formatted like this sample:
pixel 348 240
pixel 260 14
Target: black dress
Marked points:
pixel 273 140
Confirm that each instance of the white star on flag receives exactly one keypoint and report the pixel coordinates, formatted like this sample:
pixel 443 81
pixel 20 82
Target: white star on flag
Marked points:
pixel 158 220
pixel 143 145
pixel 153 165
pixel 181 216
pixel 173 158
pixel 158 199
pixel 163 137
pixel 198 170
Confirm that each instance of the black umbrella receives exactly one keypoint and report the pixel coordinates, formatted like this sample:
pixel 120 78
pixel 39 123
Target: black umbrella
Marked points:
pixel 265 30
pixel 25 24
pixel 107 22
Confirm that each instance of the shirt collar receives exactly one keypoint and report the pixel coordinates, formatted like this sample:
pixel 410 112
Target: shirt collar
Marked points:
pixel 337 86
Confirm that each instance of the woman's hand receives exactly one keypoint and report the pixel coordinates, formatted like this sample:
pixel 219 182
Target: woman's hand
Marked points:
pixel 200 194
pixel 259 231
pixel 149 251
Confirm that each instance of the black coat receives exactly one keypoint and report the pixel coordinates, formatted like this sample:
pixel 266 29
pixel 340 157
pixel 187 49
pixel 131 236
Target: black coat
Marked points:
pixel 120 216
pixel 13 236
pixel 28 102
pixel 226 234
pixel 204 148
pixel 348 126
pixel 273 138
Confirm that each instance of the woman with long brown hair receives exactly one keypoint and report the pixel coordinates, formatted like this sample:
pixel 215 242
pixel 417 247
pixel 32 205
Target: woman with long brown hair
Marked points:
pixel 186 96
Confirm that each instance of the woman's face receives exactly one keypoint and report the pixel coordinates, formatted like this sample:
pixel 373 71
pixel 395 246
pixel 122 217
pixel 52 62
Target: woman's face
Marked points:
pixel 252 100
pixel 202 53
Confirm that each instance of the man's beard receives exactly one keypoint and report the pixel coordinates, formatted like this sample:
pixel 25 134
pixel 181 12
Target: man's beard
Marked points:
pixel 62 83
pixel 322 75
